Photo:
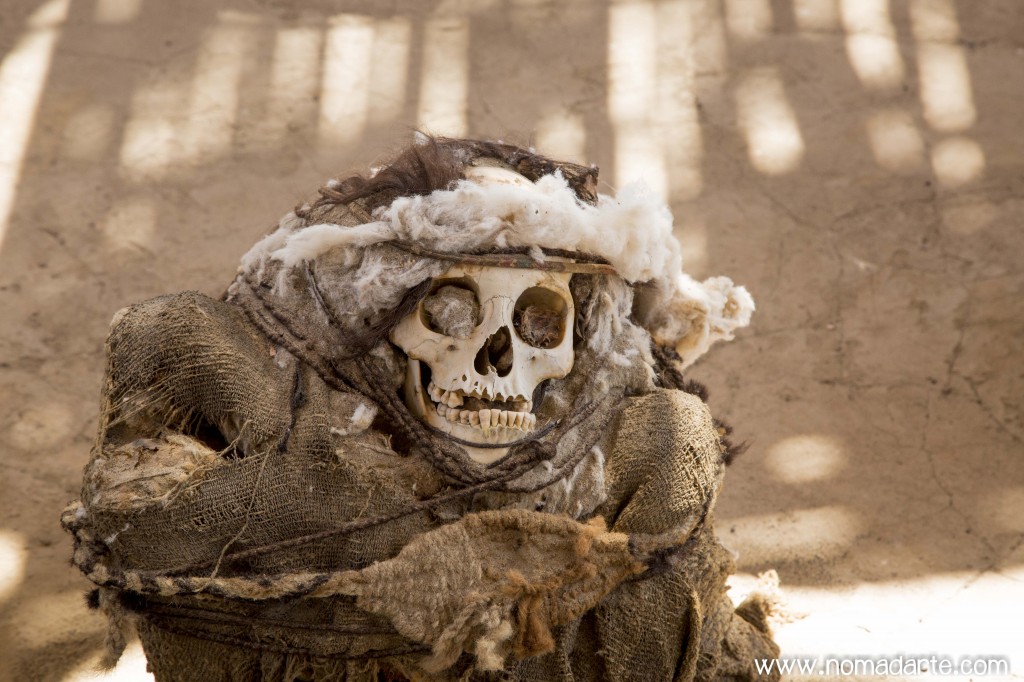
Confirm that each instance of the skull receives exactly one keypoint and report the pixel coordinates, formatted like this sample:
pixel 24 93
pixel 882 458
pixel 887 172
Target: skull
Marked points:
pixel 479 344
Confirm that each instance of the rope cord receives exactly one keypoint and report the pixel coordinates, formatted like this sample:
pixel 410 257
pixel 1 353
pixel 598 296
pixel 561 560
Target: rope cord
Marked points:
pixel 520 259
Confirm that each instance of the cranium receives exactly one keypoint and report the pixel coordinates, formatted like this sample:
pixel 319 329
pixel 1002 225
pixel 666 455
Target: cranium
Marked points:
pixel 479 345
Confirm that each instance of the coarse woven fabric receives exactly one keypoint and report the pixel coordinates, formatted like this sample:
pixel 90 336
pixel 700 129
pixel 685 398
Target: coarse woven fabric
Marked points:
pixel 214 440
pixel 180 363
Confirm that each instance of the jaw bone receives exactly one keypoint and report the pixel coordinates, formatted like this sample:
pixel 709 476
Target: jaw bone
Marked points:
pixel 485 425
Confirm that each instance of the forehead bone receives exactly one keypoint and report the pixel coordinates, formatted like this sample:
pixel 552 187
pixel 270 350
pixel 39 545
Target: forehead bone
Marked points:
pixel 491 174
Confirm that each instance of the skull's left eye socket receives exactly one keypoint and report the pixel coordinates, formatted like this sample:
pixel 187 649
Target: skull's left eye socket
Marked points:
pixel 540 317
pixel 451 308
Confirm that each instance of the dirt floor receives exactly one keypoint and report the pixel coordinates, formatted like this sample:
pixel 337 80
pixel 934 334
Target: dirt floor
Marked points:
pixel 856 163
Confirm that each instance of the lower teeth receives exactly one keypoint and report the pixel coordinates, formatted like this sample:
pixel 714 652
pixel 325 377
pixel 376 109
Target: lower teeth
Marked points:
pixel 494 418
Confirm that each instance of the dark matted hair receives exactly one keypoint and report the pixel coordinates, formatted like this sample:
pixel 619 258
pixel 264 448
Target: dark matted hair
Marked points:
pixel 436 163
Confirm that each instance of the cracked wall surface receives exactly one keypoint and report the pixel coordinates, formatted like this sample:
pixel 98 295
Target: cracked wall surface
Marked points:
pixel 855 163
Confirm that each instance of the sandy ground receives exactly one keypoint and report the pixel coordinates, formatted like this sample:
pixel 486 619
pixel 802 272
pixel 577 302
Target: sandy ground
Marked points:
pixel 856 163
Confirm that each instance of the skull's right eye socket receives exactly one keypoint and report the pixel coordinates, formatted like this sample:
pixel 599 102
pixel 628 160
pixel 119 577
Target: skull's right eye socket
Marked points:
pixel 540 316
pixel 451 308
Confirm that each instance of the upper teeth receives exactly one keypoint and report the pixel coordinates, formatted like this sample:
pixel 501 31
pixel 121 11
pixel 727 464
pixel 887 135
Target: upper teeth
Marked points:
pixel 449 398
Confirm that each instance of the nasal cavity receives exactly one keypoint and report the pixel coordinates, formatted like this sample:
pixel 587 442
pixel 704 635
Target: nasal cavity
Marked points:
pixel 495 354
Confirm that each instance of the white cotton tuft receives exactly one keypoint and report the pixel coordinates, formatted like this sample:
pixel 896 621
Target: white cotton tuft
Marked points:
pixel 360 420
pixel 697 314
pixel 255 257
pixel 308 244
pixel 636 236
pixel 633 232
pixel 363 416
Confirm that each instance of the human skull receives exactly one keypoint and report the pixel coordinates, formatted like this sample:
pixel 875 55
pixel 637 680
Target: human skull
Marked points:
pixel 479 345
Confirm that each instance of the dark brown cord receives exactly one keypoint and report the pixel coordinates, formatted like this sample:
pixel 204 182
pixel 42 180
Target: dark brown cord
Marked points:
pixel 513 260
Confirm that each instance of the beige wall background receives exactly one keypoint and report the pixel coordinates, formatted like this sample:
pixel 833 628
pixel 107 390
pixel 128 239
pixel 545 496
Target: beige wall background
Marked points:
pixel 856 163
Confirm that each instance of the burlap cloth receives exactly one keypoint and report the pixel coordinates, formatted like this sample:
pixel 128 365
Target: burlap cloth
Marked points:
pixel 224 468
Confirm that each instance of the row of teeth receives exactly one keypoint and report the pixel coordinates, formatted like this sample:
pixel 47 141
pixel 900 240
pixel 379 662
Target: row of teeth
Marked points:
pixel 455 398
pixel 448 403
pixel 524 421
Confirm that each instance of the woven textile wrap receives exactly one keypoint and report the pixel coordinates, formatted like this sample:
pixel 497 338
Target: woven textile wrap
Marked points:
pixel 260 505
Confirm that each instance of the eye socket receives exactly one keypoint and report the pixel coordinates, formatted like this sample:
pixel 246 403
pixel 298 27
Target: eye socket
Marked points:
pixel 451 308
pixel 540 317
